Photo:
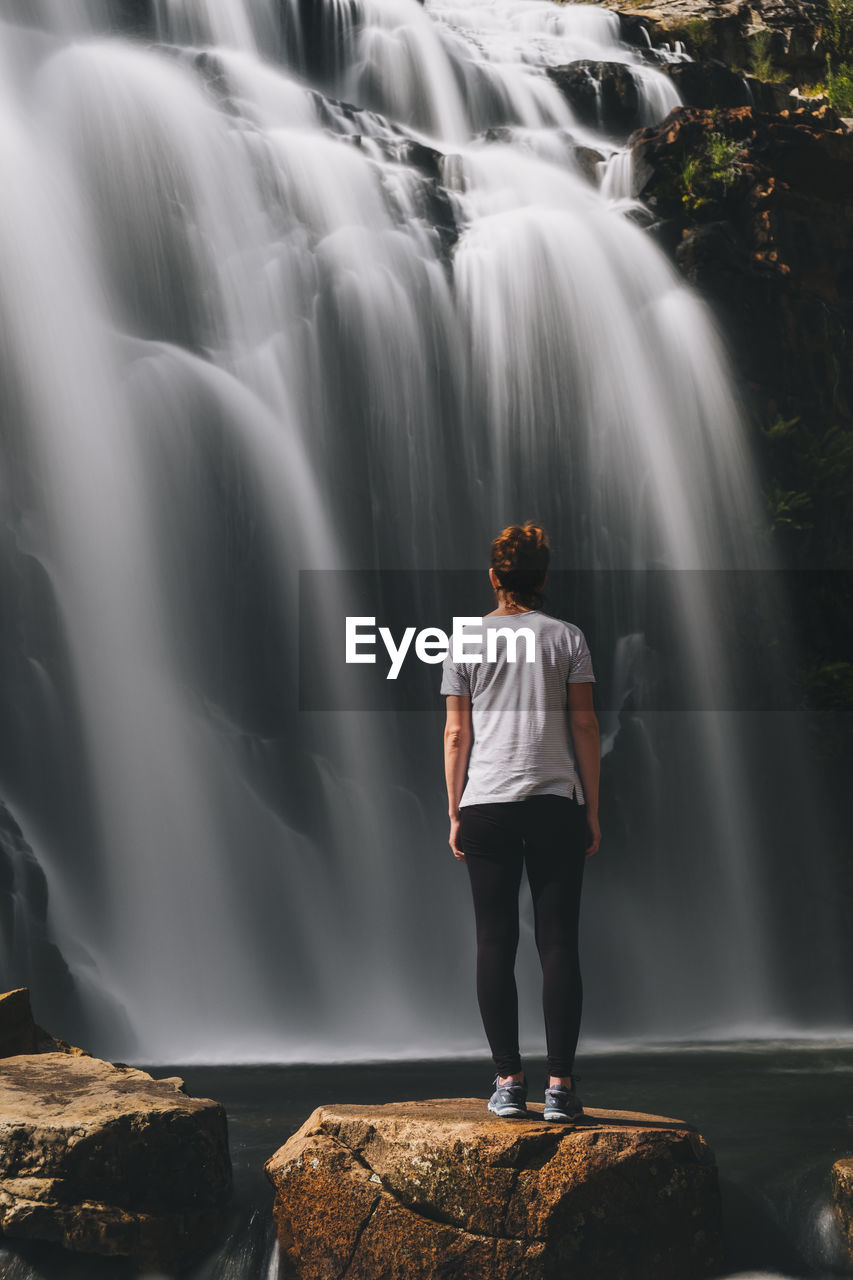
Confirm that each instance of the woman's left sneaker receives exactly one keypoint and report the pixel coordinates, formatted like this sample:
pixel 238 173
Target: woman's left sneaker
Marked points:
pixel 563 1105
pixel 509 1100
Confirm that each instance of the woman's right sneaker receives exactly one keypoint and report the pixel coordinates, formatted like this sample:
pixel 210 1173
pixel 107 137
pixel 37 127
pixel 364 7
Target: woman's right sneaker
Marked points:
pixel 510 1100
pixel 563 1105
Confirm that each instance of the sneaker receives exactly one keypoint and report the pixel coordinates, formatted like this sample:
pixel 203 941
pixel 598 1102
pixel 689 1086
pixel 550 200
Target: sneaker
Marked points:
pixel 510 1099
pixel 562 1104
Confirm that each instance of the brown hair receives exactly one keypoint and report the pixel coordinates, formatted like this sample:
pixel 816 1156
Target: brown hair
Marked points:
pixel 520 555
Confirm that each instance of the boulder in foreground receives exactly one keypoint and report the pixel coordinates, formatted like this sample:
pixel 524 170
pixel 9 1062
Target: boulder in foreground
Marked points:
pixel 439 1190
pixel 842 1195
pixel 105 1159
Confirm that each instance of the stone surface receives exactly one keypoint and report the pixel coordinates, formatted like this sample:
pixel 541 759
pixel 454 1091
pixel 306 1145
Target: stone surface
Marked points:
pixel 842 1195
pixel 708 84
pixel 711 28
pixel 17 1029
pixel 20 1034
pixel 106 1159
pixel 28 953
pixel 600 94
pixel 771 248
pixel 439 1189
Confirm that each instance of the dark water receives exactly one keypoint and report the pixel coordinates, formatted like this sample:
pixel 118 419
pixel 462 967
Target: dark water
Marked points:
pixel 776 1117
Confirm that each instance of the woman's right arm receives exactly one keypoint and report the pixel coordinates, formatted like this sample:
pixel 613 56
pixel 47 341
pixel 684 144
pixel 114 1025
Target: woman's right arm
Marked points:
pixel 583 724
pixel 458 737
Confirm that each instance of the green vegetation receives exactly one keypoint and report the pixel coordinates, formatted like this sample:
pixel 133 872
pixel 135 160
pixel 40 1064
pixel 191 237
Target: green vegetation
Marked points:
pixel 818 507
pixel 840 88
pixel 810 505
pixel 760 57
pixel 697 36
pixel 710 171
pixel 837 32
pixel 837 36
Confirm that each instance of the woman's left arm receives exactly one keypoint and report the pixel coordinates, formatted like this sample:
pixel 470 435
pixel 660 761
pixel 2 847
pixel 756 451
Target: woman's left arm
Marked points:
pixel 458 737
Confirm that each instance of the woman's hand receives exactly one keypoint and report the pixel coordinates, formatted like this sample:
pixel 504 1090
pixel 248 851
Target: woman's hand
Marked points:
pixel 594 834
pixel 454 839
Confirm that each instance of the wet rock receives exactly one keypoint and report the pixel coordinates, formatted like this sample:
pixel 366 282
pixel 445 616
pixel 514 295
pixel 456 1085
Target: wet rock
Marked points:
pixel 711 29
pixel 842 1196
pixel 601 94
pixel 635 30
pixel 17 1029
pixel 103 1158
pixel 588 160
pixel 134 16
pixel 20 1034
pixel 708 84
pixel 755 210
pixel 812 102
pixel 772 96
pixel 27 951
pixel 438 1189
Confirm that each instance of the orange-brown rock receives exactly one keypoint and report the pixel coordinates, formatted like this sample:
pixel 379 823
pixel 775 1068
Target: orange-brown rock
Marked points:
pixel 441 1190
pixel 842 1195
pixel 106 1159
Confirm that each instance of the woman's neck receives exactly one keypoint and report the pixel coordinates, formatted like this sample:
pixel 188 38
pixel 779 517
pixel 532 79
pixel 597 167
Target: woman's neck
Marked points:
pixel 503 611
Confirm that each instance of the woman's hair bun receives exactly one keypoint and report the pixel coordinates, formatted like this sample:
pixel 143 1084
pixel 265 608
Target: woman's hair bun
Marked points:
pixel 520 556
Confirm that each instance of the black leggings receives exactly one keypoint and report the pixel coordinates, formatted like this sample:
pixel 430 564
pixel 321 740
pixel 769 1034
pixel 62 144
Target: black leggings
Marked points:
pixel 548 835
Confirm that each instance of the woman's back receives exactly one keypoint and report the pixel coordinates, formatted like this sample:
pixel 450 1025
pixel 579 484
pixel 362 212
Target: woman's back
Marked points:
pixel 521 741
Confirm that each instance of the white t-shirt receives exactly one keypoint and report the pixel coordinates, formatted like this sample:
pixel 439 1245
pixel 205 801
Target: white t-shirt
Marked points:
pixel 521 741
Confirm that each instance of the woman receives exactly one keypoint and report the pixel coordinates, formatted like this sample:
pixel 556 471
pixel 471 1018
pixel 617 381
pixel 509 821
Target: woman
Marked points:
pixel 527 736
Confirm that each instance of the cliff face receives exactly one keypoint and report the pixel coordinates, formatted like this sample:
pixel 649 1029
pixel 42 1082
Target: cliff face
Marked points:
pixel 713 29
pixel 749 190
pixel 757 211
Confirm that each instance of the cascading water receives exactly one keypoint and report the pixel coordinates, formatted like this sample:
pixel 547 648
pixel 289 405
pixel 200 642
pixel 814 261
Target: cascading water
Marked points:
pixel 324 286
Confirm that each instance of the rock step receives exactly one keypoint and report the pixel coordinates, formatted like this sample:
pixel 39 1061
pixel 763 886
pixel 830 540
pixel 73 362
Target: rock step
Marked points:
pixel 104 1158
pixel 441 1190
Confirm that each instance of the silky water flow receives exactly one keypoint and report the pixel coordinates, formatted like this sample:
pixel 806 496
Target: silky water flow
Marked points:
pixel 291 286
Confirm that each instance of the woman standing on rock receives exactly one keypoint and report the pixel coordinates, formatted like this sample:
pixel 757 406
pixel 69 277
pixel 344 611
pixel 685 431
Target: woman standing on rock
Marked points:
pixel 527 736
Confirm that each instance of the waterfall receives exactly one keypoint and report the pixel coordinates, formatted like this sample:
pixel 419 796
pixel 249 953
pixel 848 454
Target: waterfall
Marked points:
pixel 326 286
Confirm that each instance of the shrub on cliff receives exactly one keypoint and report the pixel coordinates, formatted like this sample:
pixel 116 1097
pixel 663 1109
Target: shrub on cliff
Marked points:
pixel 697 36
pixel 837 38
pixel 760 60
pixel 837 31
pixel 839 87
pixel 710 170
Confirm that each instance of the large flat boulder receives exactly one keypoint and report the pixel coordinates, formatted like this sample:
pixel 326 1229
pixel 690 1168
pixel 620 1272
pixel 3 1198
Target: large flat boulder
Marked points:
pixel 105 1159
pixel 442 1190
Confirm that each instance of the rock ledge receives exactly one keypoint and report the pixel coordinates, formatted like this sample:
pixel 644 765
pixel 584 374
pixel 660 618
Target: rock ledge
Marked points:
pixel 106 1159
pixel 441 1190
